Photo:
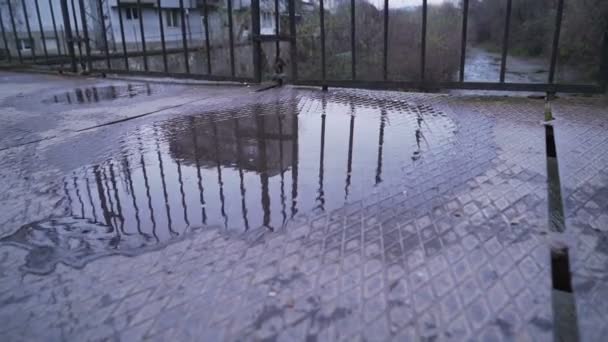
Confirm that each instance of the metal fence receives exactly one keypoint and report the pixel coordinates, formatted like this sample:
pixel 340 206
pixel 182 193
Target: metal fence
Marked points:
pixel 223 41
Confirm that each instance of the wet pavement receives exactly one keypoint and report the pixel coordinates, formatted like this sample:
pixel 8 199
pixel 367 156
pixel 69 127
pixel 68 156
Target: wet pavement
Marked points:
pixel 172 212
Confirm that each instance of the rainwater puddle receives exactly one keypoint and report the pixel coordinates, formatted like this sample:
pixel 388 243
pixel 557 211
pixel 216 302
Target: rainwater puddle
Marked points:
pixel 258 167
pixel 101 94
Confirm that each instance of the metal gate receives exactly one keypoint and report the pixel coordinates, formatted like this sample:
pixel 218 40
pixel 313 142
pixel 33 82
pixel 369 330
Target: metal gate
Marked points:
pixel 221 40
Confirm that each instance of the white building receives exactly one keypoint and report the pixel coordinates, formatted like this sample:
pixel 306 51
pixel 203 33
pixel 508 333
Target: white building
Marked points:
pixel 171 17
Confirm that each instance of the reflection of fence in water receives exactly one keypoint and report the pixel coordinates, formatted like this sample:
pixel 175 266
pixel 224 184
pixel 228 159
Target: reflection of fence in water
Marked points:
pixel 249 171
pixel 152 195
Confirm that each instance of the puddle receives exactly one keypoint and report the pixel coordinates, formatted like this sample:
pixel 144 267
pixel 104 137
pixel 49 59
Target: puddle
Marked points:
pixel 258 167
pixel 101 94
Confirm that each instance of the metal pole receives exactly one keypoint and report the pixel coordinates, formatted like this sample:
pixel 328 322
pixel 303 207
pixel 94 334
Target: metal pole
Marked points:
pixel 293 42
pixel 323 71
pixel 463 42
pixel 46 53
pixel 505 42
pixel 8 52
pixel 558 30
pixel 353 49
pixel 122 35
pixel 257 46
pixel 104 36
pixel 29 30
pixel 604 63
pixel 385 50
pixel 162 36
pixel 184 38
pixel 231 38
pixel 85 33
pixel 55 27
pixel 276 29
pixel 10 12
pixel 68 34
pixel 423 40
pixel 142 34
pixel 77 32
pixel 207 45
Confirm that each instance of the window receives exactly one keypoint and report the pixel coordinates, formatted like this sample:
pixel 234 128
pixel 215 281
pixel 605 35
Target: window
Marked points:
pixel 172 18
pixel 132 13
pixel 25 44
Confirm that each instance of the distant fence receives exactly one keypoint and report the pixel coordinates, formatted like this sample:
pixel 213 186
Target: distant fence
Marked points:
pixel 216 40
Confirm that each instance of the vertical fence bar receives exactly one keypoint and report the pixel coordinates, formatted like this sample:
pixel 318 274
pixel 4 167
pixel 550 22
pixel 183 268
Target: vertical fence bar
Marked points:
pixel 77 33
pixel 505 42
pixel 184 38
pixel 385 49
pixel 423 40
pixel 4 39
pixel 85 33
pixel 122 35
pixel 68 34
pixel 10 13
pixel 604 62
pixel 353 52
pixel 55 27
pixel 231 38
pixel 463 42
pixel 556 35
pixel 162 35
pixel 257 47
pixel 206 27
pixel 277 29
pixel 46 53
pixel 142 34
pixel 29 31
pixel 104 34
pixel 293 54
pixel 322 19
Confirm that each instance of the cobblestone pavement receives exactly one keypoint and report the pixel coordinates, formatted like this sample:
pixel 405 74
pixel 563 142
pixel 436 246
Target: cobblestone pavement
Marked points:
pixel 291 213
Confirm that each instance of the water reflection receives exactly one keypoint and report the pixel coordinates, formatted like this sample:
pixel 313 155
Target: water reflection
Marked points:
pixel 234 169
pixel 99 94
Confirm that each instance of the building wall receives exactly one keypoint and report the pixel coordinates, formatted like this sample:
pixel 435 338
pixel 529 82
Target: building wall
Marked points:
pixel 173 35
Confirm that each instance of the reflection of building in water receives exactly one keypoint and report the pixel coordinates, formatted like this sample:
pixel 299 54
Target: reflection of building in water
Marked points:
pixel 244 172
pixel 262 143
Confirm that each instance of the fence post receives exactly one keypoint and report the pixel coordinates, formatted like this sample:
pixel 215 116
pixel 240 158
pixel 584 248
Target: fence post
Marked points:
pixel 184 37
pixel 353 48
pixel 323 63
pixel 207 44
pixel 555 50
pixel 162 36
pixel 8 52
pixel 385 47
pixel 257 45
pixel 85 33
pixel 604 63
pixel 55 28
pixel 29 30
pixel 68 34
pixel 122 35
pixel 231 38
pixel 16 36
pixel 463 42
pixel 42 37
pixel 505 42
pixel 293 42
pixel 142 34
pixel 423 43
pixel 76 29
pixel 104 35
